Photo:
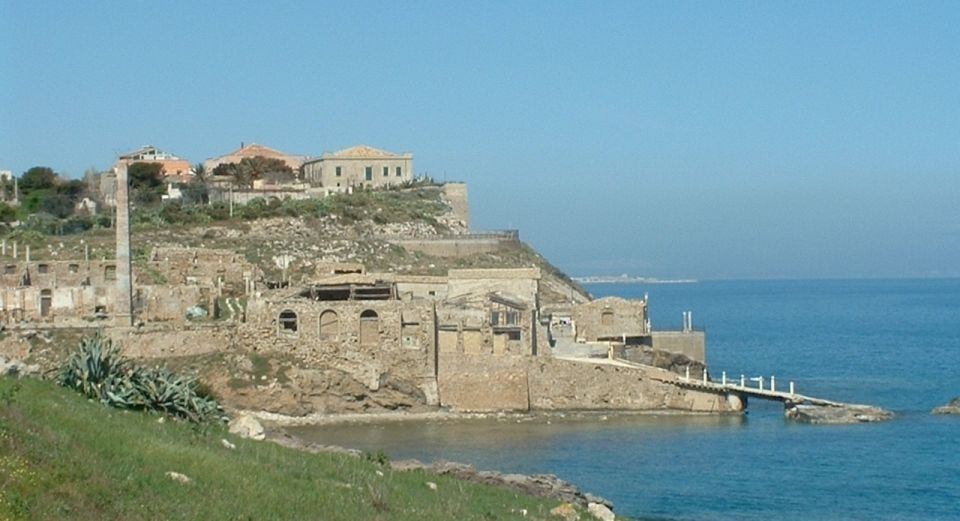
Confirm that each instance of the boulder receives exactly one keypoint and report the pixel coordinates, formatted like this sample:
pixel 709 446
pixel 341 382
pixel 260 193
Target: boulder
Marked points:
pixel 601 512
pixel 176 476
pixel 565 511
pixel 247 426
pixel 836 413
pixel 952 407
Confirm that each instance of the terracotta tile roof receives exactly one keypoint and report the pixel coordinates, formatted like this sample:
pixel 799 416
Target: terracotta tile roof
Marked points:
pixel 362 152
pixel 253 150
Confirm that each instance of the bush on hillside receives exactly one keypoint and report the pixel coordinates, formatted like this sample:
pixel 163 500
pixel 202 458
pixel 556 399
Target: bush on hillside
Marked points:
pixel 98 371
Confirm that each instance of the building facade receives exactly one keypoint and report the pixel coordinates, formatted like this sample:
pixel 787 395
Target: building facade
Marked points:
pixel 359 166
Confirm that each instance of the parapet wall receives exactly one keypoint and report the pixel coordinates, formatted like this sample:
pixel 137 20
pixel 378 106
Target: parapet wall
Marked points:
pixel 689 343
pixel 458 246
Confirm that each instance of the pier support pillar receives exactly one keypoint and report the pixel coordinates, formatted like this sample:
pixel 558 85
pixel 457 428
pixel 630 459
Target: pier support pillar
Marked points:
pixel 736 402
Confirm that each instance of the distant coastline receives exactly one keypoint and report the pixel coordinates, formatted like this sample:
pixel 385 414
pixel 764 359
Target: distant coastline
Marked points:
pixel 628 279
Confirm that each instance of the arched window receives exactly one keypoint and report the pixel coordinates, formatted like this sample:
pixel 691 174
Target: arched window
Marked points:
pixel 287 321
pixel 606 318
pixel 46 301
pixel 329 325
pixel 369 327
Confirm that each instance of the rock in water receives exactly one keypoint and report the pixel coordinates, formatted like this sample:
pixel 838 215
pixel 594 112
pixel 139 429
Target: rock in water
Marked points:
pixel 247 426
pixel 839 413
pixel 952 407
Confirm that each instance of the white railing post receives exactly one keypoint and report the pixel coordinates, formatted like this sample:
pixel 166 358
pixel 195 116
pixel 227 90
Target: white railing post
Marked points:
pixel 760 382
pixel 791 389
pixel 686 375
pixel 743 380
pixel 773 383
pixel 723 377
pixel 704 375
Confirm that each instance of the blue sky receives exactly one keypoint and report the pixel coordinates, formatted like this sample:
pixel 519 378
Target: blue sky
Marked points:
pixel 667 139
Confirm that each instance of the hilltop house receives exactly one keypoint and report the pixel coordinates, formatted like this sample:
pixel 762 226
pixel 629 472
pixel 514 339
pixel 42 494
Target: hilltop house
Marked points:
pixel 359 166
pixel 254 150
pixel 174 169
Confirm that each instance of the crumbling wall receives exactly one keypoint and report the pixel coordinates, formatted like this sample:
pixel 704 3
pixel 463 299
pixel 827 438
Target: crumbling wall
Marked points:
pixel 522 283
pixel 610 318
pixel 397 346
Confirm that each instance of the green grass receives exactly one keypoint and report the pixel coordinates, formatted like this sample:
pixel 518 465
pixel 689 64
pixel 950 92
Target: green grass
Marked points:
pixel 64 457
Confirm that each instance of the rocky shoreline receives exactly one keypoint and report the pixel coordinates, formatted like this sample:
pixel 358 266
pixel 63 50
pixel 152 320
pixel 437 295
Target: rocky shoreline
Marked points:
pixel 282 420
pixel 539 485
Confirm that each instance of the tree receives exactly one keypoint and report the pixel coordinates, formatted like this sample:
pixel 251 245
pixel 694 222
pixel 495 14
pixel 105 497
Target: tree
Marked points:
pixel 57 205
pixel 38 178
pixel 8 214
pixel 146 183
pixel 251 169
pixel 200 172
pixel 73 188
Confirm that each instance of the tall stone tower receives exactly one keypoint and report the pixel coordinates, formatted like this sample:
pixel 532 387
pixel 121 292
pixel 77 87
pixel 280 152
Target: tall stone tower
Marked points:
pixel 456 194
pixel 123 313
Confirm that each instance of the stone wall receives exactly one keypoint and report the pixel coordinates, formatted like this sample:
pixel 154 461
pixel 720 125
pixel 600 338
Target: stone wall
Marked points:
pixel 484 383
pixel 692 344
pixel 563 384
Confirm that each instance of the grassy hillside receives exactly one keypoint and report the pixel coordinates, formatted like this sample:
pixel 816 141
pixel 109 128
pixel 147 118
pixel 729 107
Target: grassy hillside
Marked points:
pixel 64 457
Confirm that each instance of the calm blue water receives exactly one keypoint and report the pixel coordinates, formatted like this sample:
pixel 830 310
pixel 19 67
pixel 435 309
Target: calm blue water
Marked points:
pixel 893 343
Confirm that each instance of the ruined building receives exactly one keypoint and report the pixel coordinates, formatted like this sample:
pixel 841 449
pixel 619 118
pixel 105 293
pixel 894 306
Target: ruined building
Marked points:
pixel 473 339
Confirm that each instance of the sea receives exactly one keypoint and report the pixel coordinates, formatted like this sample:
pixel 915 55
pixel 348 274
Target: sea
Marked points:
pixel 892 343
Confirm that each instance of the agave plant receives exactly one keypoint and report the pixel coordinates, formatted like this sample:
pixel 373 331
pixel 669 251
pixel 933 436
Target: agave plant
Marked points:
pixel 99 371
pixel 96 369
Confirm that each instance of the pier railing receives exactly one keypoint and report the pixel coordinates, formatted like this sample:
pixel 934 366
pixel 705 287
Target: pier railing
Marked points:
pixel 749 386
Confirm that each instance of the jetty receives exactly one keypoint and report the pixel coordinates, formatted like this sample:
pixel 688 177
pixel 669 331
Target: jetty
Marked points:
pixel 744 389
pixel 738 391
